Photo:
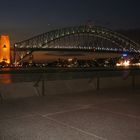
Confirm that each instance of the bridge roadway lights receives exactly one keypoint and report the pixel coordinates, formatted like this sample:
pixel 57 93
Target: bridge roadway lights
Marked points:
pixel 79 38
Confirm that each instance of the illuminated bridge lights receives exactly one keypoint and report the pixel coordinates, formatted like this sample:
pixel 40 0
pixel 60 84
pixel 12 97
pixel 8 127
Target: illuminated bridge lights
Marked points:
pixel 84 37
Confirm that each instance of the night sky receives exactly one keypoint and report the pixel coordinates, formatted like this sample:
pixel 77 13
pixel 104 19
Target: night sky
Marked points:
pixel 22 19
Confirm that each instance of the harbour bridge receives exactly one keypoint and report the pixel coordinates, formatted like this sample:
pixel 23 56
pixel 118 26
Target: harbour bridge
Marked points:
pixel 76 39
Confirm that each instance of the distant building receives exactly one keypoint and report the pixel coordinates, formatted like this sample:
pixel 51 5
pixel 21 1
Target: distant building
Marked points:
pixel 4 49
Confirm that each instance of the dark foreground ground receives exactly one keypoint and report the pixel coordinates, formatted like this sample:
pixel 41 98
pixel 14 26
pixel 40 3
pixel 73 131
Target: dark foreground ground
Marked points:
pixel 106 115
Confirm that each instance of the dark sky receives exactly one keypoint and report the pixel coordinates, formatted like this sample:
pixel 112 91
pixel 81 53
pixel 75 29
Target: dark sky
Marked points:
pixel 22 19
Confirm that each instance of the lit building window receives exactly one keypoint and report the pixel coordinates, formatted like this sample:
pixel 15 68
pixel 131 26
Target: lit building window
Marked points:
pixel 4 46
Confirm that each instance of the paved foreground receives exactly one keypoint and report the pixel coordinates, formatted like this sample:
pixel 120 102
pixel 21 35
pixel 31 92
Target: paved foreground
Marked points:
pixel 106 115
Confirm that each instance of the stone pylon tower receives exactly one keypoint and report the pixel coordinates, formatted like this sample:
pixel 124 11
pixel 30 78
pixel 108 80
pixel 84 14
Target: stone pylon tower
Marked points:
pixel 4 48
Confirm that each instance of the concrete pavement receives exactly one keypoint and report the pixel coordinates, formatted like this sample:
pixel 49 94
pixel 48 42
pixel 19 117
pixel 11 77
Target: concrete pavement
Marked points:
pixel 103 115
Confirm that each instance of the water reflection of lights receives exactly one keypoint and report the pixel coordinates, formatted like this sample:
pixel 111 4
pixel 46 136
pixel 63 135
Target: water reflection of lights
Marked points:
pixel 5 79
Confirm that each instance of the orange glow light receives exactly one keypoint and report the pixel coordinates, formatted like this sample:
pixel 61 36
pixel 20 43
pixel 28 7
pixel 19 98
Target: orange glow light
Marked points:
pixel 4 49
pixel 125 63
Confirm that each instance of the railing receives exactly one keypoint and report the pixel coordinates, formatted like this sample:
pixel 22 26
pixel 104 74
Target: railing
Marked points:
pixel 40 76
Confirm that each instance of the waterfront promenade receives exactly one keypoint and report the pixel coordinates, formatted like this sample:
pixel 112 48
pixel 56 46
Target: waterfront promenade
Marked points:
pixel 102 115
pixel 70 105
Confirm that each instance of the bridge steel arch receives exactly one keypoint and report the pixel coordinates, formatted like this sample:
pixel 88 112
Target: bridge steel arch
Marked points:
pixel 41 42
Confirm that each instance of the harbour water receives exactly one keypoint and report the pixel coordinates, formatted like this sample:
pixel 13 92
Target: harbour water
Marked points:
pixel 8 76
pixel 35 82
